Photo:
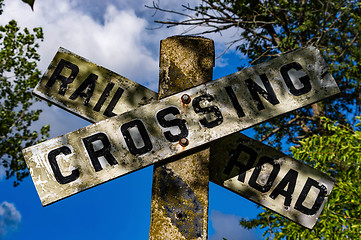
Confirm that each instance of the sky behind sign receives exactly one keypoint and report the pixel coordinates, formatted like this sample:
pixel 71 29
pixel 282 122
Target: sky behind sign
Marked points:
pixel 114 34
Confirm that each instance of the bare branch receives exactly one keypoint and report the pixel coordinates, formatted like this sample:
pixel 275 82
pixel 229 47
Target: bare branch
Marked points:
pixel 230 44
pixel 274 131
pixel 217 23
pixel 263 54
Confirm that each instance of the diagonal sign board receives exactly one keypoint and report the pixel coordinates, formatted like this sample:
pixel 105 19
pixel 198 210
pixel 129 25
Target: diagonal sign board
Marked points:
pixel 88 90
pixel 139 132
pixel 232 156
pixel 270 178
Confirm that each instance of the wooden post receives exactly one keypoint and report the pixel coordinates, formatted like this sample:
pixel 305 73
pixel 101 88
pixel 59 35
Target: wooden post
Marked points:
pixel 180 188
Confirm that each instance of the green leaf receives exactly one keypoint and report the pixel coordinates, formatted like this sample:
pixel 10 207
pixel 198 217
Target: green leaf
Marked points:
pixel 30 2
pixel 18 76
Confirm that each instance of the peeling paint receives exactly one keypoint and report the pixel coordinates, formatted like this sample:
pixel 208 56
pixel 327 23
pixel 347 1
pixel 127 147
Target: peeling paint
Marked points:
pixel 107 85
pixel 230 175
pixel 51 191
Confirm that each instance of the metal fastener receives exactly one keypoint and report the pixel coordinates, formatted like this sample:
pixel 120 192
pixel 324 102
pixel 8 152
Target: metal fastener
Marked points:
pixel 183 142
pixel 186 99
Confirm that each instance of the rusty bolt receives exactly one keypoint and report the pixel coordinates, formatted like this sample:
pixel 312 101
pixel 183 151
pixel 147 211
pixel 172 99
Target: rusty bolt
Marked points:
pixel 186 98
pixel 183 142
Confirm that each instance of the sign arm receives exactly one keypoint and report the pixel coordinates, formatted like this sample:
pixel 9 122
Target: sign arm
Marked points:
pixel 180 124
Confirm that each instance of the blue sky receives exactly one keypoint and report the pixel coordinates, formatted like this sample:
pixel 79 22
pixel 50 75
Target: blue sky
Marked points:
pixel 116 35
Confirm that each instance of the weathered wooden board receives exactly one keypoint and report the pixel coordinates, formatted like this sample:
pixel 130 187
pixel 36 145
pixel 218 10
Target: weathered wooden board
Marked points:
pixel 63 166
pixel 225 152
pixel 88 90
pixel 270 178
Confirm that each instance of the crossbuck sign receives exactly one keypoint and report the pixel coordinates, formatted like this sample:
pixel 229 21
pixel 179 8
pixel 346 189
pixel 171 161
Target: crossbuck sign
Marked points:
pixel 183 123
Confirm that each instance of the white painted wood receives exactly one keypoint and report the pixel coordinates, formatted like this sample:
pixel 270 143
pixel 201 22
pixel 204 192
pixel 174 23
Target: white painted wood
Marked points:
pixel 212 117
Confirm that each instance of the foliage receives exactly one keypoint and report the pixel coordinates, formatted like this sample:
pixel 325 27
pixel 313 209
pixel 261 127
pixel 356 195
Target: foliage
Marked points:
pixel 30 3
pixel 18 75
pixel 267 29
pixel 337 153
pixel 271 27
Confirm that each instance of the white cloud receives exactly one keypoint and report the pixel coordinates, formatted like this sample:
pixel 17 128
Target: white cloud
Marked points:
pixel 10 218
pixel 227 226
pixel 118 43
pixel 111 33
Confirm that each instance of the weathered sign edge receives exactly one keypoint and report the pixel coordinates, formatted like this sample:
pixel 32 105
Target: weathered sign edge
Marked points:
pixel 190 150
pixel 173 157
pixel 50 100
pixel 302 163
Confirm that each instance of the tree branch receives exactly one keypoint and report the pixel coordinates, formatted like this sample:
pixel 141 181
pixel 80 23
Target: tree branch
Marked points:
pixel 14 124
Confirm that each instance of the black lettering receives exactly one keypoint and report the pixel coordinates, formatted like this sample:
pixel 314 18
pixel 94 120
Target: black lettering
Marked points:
pixel 319 200
pixel 86 89
pixel 103 97
pixel 271 178
pixel 305 80
pixel 109 110
pixel 64 80
pixel 207 110
pixel 131 141
pixel 55 167
pixel 255 89
pixel 289 179
pixel 232 96
pixel 234 161
pixel 104 151
pixel 180 123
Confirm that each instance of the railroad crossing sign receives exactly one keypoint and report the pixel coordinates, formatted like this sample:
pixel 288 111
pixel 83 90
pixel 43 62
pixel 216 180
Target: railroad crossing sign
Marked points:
pixel 184 123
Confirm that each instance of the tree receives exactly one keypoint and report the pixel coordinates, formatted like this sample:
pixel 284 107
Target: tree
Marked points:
pixel 268 29
pixel 18 75
pixel 337 153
